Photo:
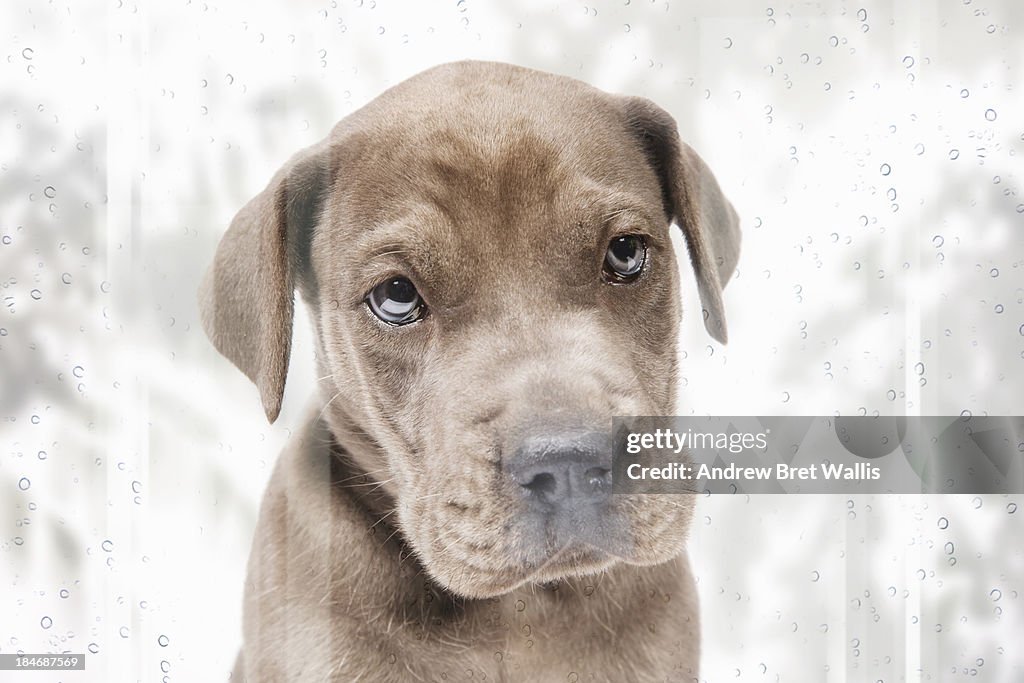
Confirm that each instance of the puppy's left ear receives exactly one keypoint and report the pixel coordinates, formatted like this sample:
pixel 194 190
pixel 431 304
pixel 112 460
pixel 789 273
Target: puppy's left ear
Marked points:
pixel 695 202
pixel 247 297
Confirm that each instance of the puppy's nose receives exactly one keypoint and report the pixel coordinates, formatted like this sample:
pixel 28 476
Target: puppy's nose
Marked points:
pixel 563 471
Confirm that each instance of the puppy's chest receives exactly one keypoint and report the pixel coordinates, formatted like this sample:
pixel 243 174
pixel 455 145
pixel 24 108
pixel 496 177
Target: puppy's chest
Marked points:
pixel 530 637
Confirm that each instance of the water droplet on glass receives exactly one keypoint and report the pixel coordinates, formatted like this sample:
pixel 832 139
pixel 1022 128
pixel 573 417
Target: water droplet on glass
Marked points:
pixel 24 484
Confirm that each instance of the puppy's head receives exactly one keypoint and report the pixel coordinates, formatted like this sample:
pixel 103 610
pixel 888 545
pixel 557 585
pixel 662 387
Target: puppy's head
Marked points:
pixel 486 254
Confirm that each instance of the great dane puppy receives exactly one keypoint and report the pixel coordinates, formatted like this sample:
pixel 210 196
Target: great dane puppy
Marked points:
pixel 485 253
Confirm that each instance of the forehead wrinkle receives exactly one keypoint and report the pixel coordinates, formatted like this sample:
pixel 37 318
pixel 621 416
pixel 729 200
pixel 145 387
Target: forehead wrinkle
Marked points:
pixel 466 171
pixel 422 245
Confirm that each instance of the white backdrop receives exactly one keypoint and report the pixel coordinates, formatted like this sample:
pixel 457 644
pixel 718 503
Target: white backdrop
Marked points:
pixel 872 149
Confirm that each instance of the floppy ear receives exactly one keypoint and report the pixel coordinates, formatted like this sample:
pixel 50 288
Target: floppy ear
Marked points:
pixel 695 202
pixel 246 298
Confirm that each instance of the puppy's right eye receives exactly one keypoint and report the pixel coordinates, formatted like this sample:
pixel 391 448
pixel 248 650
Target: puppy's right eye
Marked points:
pixel 396 301
pixel 624 259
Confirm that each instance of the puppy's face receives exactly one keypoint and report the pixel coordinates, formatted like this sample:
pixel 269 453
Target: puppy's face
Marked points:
pixel 487 254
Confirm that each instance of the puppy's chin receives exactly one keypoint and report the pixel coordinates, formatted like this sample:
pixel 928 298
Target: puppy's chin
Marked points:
pixel 477 583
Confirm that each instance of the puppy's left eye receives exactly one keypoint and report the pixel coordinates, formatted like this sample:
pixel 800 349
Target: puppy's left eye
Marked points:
pixel 624 258
pixel 396 301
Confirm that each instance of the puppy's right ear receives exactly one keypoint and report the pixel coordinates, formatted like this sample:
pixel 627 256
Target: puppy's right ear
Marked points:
pixel 695 202
pixel 246 298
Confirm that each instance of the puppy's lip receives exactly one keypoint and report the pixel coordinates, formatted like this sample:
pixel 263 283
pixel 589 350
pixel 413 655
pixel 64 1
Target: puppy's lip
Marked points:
pixel 572 559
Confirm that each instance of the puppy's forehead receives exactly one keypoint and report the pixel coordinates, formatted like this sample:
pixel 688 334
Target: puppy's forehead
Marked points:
pixel 476 171
pixel 478 137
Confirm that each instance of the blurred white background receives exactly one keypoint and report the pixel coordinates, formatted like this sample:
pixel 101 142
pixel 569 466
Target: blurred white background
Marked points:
pixel 872 149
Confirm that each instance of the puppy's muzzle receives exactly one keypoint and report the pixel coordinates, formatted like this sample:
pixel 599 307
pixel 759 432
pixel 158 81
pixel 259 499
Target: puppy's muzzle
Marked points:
pixel 563 475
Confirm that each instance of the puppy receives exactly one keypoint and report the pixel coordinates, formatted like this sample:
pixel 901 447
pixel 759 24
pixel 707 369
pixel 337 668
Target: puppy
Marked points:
pixel 485 252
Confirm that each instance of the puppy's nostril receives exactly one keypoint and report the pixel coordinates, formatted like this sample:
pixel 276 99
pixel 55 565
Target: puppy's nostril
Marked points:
pixel 543 484
pixel 561 473
pixel 596 477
